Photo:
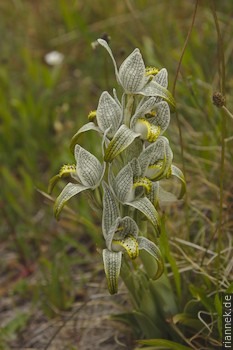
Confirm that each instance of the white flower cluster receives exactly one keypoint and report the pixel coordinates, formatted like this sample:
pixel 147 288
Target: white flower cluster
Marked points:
pixel 136 157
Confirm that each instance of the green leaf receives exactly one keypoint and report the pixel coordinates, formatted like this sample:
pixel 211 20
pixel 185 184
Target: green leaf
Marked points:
pixel 147 325
pixel 112 267
pixel 166 344
pixel 68 192
pixel 121 140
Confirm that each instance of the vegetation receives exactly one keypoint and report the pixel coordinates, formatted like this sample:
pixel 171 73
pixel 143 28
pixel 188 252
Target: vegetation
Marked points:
pixel 46 264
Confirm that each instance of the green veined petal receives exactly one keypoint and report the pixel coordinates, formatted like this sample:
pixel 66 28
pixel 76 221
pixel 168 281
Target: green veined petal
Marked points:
pixel 122 139
pixel 161 78
pixel 155 89
pixel 89 168
pixel 124 184
pixel 108 113
pixel 128 227
pixel 132 72
pixel 178 173
pixel 147 208
pixel 153 195
pixel 162 117
pixel 84 128
pixel 112 267
pixel 106 46
pixel 166 197
pixel 68 192
pixel 110 209
pixel 152 249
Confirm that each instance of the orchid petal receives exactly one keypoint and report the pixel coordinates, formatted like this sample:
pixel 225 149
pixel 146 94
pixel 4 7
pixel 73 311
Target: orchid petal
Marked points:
pixel 166 197
pixel 126 226
pixel 146 155
pixel 84 128
pixel 162 117
pixel 68 192
pixel 132 72
pixel 161 160
pixel 106 46
pixel 89 169
pixel 110 234
pixel 133 150
pixel 108 113
pixel 153 196
pixel 124 183
pixel 122 139
pixel 178 173
pixel 110 209
pixel 154 89
pixel 152 249
pixel 147 208
pixel 112 267
pixel 162 78
pixel 142 109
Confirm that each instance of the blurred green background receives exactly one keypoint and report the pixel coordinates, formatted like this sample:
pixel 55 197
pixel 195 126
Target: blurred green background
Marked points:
pixel 43 105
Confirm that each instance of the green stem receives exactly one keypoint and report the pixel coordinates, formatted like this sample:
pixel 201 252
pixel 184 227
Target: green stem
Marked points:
pixel 128 109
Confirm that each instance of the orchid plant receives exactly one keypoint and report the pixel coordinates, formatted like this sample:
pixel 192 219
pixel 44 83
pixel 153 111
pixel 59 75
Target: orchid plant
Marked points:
pixel 127 183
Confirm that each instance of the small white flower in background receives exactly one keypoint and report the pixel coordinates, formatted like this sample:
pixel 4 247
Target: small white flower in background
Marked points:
pixel 136 161
pixel 54 58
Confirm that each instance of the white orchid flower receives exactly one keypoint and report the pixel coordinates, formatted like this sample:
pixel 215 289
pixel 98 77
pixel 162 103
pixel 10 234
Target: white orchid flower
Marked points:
pixel 124 186
pixel 121 236
pixel 151 119
pixel 134 80
pixel 89 173
pixel 156 164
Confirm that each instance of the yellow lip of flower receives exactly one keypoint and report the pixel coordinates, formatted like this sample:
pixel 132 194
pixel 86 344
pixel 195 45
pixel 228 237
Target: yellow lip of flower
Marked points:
pixel 151 71
pixel 143 182
pixel 152 131
pixel 129 244
pixel 91 116
pixel 67 169
pixel 151 114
